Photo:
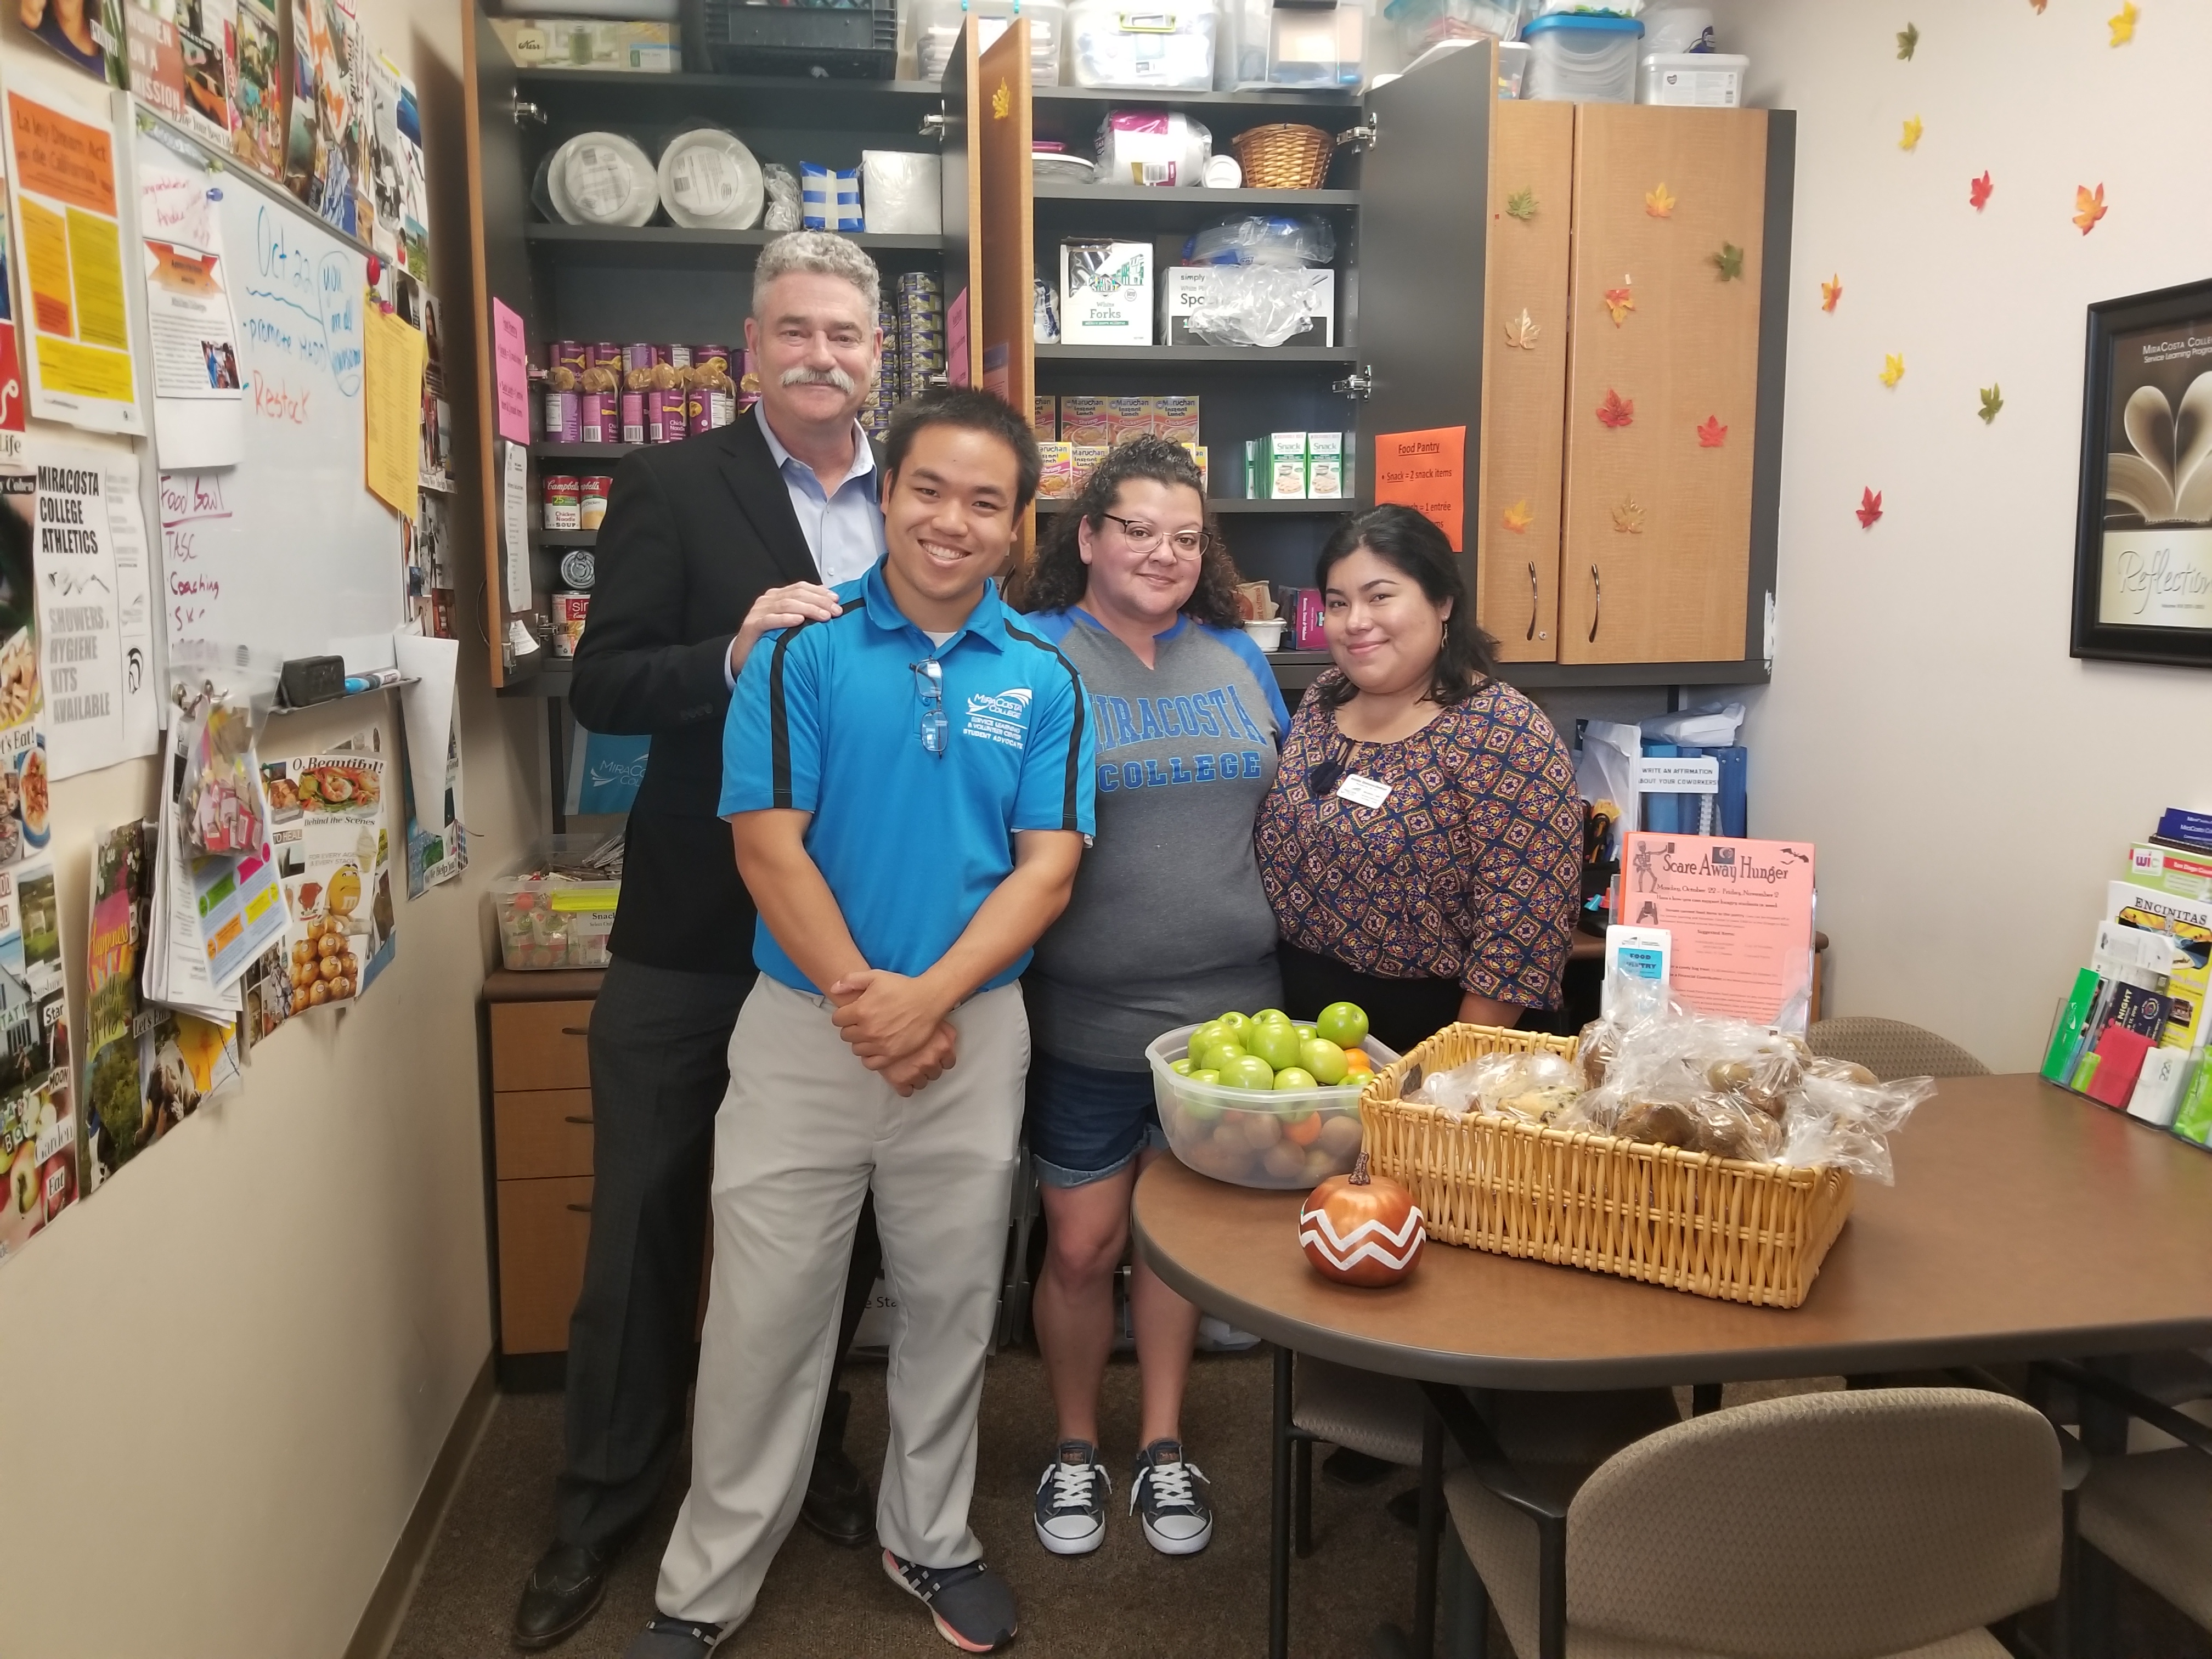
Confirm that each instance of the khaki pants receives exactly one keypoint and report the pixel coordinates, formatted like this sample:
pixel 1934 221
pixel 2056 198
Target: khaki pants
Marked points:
pixel 804 1132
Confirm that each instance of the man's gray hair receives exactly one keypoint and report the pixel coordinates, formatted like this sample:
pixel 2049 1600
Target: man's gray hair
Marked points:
pixel 822 254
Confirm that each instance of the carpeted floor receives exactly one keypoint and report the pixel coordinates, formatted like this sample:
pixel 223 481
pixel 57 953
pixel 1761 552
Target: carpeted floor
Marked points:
pixel 823 1603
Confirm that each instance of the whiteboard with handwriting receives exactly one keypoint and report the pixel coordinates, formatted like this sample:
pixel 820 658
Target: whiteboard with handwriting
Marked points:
pixel 287 551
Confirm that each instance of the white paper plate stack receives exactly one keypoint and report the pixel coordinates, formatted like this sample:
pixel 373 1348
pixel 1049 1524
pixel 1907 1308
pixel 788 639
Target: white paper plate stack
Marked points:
pixel 710 181
pixel 601 179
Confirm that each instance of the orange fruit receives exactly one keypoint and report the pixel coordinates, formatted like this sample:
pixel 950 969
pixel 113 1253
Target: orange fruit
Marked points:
pixel 1356 1060
pixel 1304 1131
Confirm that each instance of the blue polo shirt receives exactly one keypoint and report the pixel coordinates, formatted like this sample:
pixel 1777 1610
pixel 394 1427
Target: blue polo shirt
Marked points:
pixel 827 719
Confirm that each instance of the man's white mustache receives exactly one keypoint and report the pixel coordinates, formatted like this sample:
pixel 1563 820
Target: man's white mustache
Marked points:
pixel 829 377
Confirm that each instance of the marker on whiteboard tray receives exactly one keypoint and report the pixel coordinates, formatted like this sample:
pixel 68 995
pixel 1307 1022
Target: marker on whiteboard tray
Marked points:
pixel 357 683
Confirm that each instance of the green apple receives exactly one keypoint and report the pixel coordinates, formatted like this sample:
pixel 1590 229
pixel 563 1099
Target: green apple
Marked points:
pixel 1179 1067
pixel 1218 1055
pixel 1209 1077
pixel 1324 1059
pixel 1276 1044
pixel 1234 1024
pixel 1209 1032
pixel 1271 1016
pixel 1196 1107
pixel 1295 1076
pixel 1305 1032
pixel 1248 1072
pixel 1343 1024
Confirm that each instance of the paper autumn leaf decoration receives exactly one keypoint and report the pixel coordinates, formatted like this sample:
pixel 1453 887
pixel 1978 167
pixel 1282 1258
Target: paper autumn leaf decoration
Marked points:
pixel 2089 206
pixel 1628 519
pixel 1908 39
pixel 1978 191
pixel 1713 434
pixel 1913 131
pixel 1517 517
pixel 1002 101
pixel 1729 262
pixel 2123 23
pixel 1660 203
pixel 1992 401
pixel 1616 411
pixel 1522 205
pixel 1521 332
pixel 1892 368
pixel 1620 302
pixel 1831 291
pixel 2038 5
pixel 1869 507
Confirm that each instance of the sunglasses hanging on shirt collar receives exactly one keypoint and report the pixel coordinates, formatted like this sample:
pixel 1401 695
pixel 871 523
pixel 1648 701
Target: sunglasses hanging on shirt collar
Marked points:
pixel 935 731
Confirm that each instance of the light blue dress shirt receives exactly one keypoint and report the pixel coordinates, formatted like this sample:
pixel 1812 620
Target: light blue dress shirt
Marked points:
pixel 844 528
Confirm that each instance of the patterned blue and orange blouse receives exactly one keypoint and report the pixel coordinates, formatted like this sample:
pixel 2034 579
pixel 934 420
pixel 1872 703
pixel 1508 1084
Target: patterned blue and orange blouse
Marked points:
pixel 1469 870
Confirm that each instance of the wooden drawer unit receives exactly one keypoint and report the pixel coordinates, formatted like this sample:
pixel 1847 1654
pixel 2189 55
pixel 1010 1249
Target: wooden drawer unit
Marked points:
pixel 539 1132
pixel 542 1228
pixel 540 1045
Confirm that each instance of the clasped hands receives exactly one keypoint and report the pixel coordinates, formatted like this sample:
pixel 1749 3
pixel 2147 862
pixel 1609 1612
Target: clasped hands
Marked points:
pixel 896 1025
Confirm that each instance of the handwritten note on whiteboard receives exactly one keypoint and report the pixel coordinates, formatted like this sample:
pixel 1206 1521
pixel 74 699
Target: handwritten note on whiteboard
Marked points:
pixel 1426 471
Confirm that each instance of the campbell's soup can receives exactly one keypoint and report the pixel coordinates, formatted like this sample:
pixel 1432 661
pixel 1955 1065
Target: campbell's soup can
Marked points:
pixel 591 504
pixel 643 354
pixel 563 417
pixel 561 500
pixel 569 354
pixel 598 420
pixel 633 416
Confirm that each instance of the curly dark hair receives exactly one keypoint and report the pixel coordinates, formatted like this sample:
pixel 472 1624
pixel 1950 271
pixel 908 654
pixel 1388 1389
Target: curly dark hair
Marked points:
pixel 1058 577
pixel 1410 542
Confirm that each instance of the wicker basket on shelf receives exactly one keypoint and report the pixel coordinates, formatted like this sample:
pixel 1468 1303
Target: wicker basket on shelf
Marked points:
pixel 1716 1227
pixel 1283 156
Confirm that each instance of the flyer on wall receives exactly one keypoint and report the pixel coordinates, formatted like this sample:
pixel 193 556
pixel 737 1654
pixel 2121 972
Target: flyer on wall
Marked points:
pixel 24 824
pixel 198 403
pixel 76 335
pixel 37 1126
pixel 327 824
pixel 111 1125
pixel 94 623
pixel 1740 915
pixel 84 32
pixel 11 365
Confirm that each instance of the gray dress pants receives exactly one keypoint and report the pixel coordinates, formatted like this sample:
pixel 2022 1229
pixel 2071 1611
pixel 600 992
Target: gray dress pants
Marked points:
pixel 659 1053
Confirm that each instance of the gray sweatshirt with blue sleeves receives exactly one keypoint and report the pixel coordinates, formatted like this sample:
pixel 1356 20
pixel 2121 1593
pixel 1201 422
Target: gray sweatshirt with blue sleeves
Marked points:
pixel 1168 924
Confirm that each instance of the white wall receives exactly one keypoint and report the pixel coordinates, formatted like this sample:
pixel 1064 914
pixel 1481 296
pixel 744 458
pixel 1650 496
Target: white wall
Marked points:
pixel 1971 786
pixel 224 1377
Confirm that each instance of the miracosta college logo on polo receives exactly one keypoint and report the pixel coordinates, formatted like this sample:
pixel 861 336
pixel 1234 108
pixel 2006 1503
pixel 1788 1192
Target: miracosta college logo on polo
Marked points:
pixel 999 716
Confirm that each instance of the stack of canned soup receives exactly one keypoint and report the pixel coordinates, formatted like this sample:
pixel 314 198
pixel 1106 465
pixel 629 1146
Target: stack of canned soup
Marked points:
pixel 598 392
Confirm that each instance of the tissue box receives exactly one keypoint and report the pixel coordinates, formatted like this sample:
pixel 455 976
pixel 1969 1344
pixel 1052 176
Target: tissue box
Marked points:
pixel 1106 293
pixel 1185 294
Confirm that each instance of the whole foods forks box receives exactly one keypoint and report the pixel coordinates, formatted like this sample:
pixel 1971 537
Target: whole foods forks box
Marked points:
pixel 1106 293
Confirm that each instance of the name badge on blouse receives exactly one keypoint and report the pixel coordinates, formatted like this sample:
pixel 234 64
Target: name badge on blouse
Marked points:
pixel 1362 792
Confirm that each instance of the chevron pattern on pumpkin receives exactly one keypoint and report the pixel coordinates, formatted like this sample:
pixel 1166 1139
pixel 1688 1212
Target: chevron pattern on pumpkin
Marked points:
pixel 1370 1241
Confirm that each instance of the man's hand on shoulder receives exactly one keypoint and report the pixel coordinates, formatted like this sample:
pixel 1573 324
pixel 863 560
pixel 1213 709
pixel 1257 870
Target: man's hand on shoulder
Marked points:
pixel 884 1016
pixel 780 607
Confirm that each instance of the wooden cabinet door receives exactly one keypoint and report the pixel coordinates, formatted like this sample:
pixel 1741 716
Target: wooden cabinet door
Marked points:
pixel 1656 556
pixel 1004 323
pixel 543 1227
pixel 962 186
pixel 1517 514
pixel 541 1045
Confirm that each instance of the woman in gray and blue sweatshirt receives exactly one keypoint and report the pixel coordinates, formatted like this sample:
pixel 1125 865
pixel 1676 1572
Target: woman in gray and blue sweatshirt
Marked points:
pixel 1169 925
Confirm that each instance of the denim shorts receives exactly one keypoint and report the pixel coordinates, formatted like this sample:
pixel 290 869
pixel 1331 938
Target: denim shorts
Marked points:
pixel 1085 1124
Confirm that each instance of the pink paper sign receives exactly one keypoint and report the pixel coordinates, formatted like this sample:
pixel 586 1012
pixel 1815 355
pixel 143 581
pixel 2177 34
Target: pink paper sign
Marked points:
pixel 510 375
pixel 1740 913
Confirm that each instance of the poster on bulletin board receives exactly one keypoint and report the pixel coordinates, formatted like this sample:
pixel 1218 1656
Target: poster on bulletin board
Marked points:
pixel 1426 471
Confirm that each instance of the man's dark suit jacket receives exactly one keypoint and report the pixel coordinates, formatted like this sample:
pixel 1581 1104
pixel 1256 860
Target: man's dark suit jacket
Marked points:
pixel 695 533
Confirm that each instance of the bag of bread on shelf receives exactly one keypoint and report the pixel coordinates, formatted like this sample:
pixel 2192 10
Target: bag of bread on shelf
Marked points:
pixel 1656 1073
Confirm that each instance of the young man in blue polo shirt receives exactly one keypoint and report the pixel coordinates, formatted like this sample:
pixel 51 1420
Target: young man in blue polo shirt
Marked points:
pixel 909 784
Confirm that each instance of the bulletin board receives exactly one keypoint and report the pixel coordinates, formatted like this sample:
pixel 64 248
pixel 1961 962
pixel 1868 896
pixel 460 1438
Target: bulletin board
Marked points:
pixel 285 552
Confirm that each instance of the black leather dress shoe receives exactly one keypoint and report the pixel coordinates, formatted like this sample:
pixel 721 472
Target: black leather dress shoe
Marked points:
pixel 562 1593
pixel 837 1504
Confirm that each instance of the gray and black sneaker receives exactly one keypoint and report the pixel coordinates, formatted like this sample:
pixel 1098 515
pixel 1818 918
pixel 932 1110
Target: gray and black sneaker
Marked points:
pixel 1071 1500
pixel 1178 1521
pixel 974 1607
pixel 663 1638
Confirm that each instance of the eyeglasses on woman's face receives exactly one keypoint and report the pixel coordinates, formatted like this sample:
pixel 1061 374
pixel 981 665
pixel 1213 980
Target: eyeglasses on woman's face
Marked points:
pixel 1144 539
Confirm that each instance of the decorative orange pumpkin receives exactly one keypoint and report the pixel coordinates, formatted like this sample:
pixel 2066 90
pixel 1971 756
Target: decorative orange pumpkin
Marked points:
pixel 1359 1229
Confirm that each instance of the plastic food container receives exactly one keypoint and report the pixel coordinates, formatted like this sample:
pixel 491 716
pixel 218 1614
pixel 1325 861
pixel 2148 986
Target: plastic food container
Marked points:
pixel 1421 23
pixel 1162 48
pixel 936 25
pixel 1264 44
pixel 1580 59
pixel 1696 80
pixel 1286 1138
pixel 556 921
pixel 1513 57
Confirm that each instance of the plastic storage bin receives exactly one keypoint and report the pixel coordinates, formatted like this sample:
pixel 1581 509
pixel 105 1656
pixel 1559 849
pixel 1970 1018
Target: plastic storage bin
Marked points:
pixel 1277 1137
pixel 1580 59
pixel 1421 23
pixel 859 42
pixel 1290 43
pixel 554 920
pixel 1697 80
pixel 1163 48
pixel 1513 57
pixel 936 26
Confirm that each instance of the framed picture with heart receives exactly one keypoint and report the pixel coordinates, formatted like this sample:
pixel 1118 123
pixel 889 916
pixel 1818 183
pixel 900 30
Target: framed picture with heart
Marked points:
pixel 2143 555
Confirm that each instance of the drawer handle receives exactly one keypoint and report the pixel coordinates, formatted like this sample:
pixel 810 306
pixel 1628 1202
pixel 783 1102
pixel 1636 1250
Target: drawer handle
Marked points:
pixel 585 1118
pixel 1536 599
pixel 576 1031
pixel 1597 603
pixel 581 1209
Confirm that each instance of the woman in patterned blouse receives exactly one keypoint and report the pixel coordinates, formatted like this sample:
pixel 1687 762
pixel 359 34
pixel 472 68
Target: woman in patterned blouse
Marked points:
pixel 1422 844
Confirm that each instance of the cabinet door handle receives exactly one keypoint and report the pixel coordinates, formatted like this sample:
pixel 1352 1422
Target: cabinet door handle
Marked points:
pixel 585 1118
pixel 585 1030
pixel 1536 599
pixel 1597 603
pixel 581 1209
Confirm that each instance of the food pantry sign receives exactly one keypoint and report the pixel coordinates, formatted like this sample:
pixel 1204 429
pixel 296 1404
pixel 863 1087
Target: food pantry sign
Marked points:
pixel 95 642
pixel 1426 471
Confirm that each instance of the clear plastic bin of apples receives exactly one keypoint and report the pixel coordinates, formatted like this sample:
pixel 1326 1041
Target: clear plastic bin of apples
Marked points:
pixel 1262 1100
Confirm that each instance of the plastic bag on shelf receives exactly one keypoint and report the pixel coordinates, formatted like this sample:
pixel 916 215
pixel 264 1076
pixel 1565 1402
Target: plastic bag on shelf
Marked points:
pixel 1259 239
pixel 1255 305
pixel 781 185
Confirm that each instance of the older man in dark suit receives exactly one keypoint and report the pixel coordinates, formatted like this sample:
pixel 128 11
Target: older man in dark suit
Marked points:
pixel 708 544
